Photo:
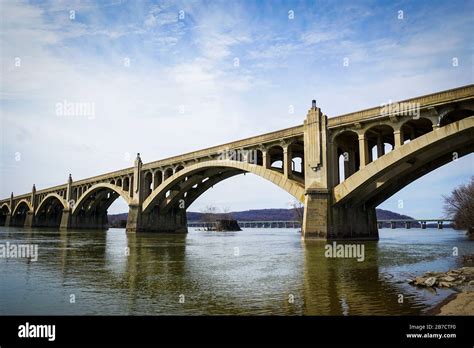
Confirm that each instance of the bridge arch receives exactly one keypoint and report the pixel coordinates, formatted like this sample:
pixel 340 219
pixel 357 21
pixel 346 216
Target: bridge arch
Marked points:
pixel 389 174
pixel 100 188
pixel 5 207
pixel 148 182
pixel 90 211
pixel 22 208
pixel 203 175
pixel 51 197
pixel 414 128
pixel 22 204
pixel 377 137
pixel 49 211
pixel 4 211
pixel 346 143
pixel 276 155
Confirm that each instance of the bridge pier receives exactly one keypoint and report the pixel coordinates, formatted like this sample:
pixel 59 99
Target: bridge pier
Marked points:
pixel 134 218
pixel 323 221
pixel 8 220
pixel 315 214
pixel 65 219
pixel 173 222
pixel 29 220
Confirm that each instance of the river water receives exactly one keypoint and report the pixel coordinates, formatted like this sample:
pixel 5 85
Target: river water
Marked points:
pixel 250 272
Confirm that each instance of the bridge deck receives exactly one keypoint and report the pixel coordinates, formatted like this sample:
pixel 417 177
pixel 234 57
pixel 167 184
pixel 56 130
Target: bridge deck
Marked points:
pixel 426 101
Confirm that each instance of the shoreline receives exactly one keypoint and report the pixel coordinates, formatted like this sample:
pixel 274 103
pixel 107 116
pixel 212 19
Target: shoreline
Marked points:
pixel 460 303
pixel 436 310
pixel 461 281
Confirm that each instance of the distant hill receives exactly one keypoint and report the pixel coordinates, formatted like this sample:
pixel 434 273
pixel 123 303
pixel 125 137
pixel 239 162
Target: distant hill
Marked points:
pixel 119 220
pixel 388 215
pixel 253 215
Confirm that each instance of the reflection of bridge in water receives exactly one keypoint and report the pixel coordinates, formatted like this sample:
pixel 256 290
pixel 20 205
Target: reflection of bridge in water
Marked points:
pixel 149 278
pixel 341 168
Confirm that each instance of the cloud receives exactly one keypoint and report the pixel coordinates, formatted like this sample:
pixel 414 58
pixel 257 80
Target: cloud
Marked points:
pixel 183 91
pixel 159 17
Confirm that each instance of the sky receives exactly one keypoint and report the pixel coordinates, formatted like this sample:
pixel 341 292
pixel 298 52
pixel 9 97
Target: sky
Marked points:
pixel 168 77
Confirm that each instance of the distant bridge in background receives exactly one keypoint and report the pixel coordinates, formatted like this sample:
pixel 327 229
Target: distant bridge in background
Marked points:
pixel 393 223
pixel 407 223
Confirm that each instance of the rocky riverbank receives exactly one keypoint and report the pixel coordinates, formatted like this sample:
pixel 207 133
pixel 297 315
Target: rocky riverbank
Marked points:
pixel 454 278
pixel 460 280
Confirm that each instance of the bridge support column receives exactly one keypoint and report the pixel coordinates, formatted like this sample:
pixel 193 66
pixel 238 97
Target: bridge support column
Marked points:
pixel 380 147
pixel 287 161
pixel 265 158
pixel 65 219
pixel 134 218
pixel 8 220
pixel 315 215
pixel 398 138
pixel 172 222
pixel 323 221
pixel 423 225
pixel 29 219
pixel 363 151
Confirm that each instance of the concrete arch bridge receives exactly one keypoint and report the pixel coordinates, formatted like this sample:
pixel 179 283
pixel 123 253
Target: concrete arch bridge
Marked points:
pixel 341 168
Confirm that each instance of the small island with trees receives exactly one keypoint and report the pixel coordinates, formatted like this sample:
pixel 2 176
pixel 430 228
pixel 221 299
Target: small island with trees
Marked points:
pixel 219 222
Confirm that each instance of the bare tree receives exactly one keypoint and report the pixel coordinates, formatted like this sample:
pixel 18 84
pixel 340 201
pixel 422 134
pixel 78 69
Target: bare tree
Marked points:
pixel 298 209
pixel 226 214
pixel 209 215
pixel 459 206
